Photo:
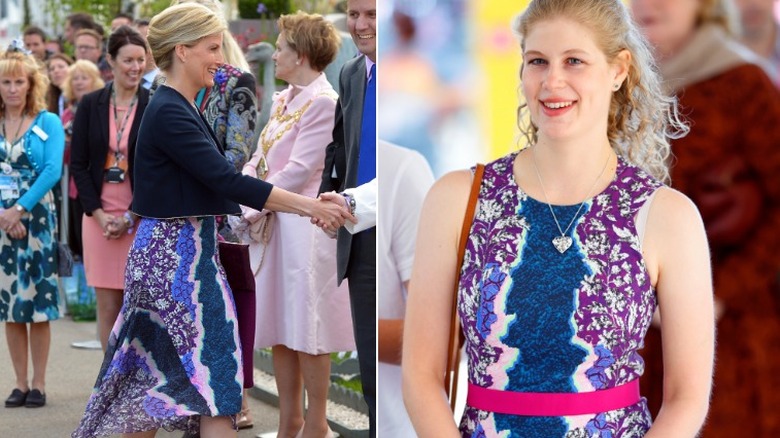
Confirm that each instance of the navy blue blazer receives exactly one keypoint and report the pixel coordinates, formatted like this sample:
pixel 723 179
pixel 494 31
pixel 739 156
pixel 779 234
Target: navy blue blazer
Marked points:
pixel 180 168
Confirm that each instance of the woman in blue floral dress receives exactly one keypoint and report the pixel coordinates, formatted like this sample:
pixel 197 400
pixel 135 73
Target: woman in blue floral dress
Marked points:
pixel 32 143
pixel 574 244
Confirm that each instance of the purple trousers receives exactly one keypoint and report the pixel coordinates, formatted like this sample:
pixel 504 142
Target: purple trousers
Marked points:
pixel 235 261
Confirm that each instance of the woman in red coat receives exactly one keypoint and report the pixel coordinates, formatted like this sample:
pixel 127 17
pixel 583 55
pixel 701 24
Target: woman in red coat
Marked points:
pixel 729 164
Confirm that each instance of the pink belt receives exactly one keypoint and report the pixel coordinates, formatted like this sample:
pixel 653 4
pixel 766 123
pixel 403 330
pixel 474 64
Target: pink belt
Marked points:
pixel 551 403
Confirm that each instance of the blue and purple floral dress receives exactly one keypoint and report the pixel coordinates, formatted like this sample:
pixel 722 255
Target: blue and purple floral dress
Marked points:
pixel 537 320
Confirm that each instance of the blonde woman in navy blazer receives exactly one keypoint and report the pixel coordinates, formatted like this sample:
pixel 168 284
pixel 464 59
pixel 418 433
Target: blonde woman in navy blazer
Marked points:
pixel 174 356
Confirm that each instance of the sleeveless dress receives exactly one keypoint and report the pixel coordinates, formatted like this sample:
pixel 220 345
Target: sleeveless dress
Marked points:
pixel 28 266
pixel 537 320
pixel 174 352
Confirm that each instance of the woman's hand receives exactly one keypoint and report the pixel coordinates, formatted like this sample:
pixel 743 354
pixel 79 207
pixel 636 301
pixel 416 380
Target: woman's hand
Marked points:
pixel 329 214
pixel 108 223
pixel 338 200
pixel 11 223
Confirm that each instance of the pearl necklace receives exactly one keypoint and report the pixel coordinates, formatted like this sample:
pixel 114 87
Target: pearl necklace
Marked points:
pixel 563 242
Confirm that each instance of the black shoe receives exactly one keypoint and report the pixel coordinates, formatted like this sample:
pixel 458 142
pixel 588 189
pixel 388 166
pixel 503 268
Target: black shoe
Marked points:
pixel 35 399
pixel 16 399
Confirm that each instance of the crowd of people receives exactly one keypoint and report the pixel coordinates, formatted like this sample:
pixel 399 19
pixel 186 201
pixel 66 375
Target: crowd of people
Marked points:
pixel 156 126
pixel 636 225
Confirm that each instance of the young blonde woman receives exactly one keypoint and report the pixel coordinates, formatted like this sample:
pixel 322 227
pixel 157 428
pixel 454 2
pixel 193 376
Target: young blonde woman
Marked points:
pixel 574 244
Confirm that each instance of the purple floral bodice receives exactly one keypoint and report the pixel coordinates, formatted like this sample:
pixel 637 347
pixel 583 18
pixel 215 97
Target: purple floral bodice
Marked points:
pixel 537 320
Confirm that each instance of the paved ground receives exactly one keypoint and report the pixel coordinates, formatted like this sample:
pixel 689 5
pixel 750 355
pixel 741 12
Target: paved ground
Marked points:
pixel 70 376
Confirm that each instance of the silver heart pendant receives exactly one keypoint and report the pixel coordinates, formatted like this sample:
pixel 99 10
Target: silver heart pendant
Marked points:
pixel 562 243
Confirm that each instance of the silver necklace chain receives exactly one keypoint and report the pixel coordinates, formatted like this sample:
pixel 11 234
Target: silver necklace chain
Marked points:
pixel 559 244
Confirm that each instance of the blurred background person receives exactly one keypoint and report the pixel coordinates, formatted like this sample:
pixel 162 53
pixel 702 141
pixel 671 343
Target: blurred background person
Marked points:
pixel 88 45
pixel 761 31
pixel 74 23
pixel 404 180
pixel 83 78
pixel 121 19
pixel 35 41
pixel 57 67
pixel 729 164
pixel 301 312
pixel 31 161
pixel 105 132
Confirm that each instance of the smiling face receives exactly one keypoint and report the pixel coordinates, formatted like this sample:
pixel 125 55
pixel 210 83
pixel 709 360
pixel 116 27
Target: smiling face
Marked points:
pixel 13 90
pixel 58 70
pixel 285 59
pixel 361 22
pixel 667 24
pixel 203 59
pixel 128 66
pixel 567 80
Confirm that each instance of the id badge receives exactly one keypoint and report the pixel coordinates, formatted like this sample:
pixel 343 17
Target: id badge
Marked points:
pixel 9 187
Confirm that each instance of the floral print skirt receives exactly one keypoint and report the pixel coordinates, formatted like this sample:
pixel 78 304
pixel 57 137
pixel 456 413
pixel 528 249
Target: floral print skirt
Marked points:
pixel 28 266
pixel 174 353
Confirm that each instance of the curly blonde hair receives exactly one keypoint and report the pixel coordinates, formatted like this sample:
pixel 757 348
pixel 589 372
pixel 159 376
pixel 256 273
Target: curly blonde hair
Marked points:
pixel 18 64
pixel 81 66
pixel 642 118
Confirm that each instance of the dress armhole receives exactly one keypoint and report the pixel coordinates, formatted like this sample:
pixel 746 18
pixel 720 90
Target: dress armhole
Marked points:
pixel 641 218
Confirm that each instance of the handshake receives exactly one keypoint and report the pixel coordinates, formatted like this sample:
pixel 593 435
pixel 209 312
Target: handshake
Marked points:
pixel 330 226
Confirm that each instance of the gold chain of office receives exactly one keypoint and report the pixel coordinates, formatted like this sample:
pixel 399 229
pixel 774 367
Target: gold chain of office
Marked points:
pixel 290 120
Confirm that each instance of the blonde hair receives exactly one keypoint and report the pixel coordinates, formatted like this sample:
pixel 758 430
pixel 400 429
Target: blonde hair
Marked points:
pixel 642 118
pixel 19 64
pixel 312 36
pixel 81 66
pixel 230 48
pixel 719 12
pixel 183 24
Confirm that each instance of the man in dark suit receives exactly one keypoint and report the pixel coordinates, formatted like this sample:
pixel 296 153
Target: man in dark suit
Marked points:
pixel 351 161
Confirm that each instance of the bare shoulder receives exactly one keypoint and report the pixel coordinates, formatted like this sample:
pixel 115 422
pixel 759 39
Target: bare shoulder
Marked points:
pixel 672 209
pixel 451 190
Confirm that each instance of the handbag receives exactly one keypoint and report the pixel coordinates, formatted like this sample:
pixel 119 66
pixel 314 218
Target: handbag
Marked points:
pixel 235 261
pixel 64 260
pixel 456 338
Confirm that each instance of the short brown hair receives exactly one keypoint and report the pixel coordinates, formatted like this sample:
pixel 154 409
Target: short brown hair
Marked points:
pixel 19 64
pixel 91 32
pixel 312 36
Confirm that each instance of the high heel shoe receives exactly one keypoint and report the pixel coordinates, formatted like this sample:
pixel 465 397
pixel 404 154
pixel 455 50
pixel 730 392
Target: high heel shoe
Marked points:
pixel 244 420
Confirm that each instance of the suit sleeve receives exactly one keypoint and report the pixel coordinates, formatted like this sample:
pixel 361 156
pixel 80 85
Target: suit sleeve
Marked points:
pixel 180 137
pixel 51 168
pixel 331 183
pixel 242 132
pixel 365 206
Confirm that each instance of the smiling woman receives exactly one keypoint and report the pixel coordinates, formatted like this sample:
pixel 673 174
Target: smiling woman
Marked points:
pixel 565 260
pixel 174 359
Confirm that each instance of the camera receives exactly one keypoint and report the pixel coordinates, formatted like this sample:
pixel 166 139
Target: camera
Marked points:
pixel 114 175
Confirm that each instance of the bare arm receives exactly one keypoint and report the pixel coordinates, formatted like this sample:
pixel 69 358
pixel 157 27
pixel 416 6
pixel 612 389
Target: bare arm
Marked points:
pixel 427 322
pixel 677 252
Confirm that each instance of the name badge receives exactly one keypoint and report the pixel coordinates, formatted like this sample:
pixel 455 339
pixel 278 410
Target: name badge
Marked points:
pixel 9 187
pixel 39 132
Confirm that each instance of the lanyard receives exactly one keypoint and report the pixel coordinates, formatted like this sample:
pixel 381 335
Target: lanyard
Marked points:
pixel 120 129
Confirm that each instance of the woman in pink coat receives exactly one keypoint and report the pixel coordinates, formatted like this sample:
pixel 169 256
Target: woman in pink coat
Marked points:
pixel 301 312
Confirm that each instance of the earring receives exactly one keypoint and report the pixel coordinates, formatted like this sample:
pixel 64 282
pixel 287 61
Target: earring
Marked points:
pixel 298 62
pixel 616 86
